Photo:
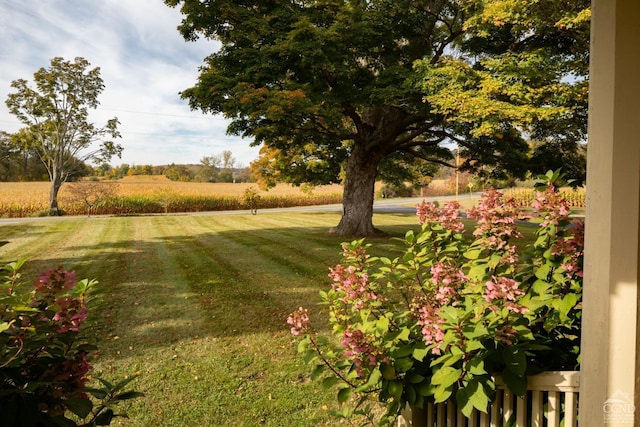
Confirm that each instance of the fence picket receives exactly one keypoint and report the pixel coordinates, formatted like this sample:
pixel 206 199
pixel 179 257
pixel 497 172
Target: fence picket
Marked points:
pixel 553 396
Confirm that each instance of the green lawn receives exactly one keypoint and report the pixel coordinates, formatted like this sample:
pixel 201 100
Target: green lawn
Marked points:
pixel 197 307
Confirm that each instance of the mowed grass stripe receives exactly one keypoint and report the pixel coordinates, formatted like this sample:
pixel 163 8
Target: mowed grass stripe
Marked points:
pixel 68 243
pixel 300 255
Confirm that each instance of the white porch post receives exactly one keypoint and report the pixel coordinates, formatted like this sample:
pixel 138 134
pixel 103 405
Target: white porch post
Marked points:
pixel 610 368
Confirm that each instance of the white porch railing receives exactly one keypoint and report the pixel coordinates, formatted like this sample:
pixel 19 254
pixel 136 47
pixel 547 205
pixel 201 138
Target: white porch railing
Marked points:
pixel 551 397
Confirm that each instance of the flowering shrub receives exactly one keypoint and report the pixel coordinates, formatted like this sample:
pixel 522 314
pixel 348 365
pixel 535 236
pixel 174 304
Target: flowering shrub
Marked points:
pixel 453 310
pixel 44 359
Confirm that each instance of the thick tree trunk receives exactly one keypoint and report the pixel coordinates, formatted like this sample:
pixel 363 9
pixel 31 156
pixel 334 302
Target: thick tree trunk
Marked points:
pixel 358 193
pixel 56 183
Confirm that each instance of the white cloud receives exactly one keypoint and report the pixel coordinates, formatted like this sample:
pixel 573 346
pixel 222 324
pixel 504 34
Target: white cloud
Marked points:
pixel 143 61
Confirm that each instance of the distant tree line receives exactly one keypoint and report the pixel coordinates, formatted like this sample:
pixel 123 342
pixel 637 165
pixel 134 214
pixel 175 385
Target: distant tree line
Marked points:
pixel 20 162
pixel 215 168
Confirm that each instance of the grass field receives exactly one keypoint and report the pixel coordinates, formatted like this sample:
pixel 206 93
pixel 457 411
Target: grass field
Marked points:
pixel 196 306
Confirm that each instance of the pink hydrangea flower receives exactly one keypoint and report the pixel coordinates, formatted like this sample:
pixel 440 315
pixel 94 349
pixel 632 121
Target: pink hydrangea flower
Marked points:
pixel 573 249
pixel 496 219
pixel 430 322
pixel 361 350
pixel 506 334
pixel 448 216
pixel 358 254
pixel 552 205
pixel 449 279
pixel 299 321
pixel 55 280
pixel 504 290
pixel 353 284
pixel 70 316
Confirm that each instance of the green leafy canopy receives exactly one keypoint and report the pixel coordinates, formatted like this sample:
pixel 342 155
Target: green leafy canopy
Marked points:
pixel 56 113
pixel 354 89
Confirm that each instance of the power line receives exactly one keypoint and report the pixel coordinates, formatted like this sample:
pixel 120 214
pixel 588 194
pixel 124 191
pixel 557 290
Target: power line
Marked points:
pixel 150 113
pixel 186 136
pixel 202 117
pixel 182 136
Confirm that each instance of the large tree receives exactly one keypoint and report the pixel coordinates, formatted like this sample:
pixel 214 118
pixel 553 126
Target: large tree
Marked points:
pixel 56 113
pixel 350 89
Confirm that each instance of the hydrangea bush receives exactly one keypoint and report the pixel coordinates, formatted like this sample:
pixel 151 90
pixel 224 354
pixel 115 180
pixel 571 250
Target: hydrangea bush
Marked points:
pixel 44 357
pixel 455 308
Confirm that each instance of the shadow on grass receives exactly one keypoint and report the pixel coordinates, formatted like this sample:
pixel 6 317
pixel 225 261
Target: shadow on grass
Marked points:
pixel 167 289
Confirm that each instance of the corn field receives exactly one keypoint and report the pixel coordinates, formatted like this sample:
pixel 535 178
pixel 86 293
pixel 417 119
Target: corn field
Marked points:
pixel 523 197
pixel 156 194
pixel 152 195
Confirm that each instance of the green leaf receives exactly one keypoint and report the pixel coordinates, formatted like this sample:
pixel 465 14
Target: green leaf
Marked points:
pixel 79 406
pixel 403 351
pixel 566 304
pixel 409 237
pixel 450 314
pixel 382 325
pixel 127 395
pixel 317 371
pixel 105 418
pixel 403 364
pixel 541 287
pixel 309 355
pixel 5 325
pixel 472 396
pixel 388 372
pixel 442 393
pixel 541 241
pixel 473 345
pixel 494 261
pixel 479 330
pixel 344 394
pixel 106 384
pixel 403 334
pixel 424 388
pixel 517 383
pixel 329 382
pixel 542 273
pixel 515 359
pixel 411 394
pixel 476 366
pixel 447 359
pixel 97 393
pixel 473 254
pixel 395 389
pixel 374 379
pixel 420 352
pixel 446 376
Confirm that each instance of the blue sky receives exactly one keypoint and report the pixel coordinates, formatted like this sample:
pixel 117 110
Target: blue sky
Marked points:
pixel 143 61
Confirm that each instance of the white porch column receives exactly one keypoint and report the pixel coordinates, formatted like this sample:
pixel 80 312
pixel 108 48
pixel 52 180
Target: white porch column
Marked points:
pixel 610 368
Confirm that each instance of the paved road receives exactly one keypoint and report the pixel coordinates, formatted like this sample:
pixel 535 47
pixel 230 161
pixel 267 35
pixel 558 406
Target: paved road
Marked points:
pixel 397 205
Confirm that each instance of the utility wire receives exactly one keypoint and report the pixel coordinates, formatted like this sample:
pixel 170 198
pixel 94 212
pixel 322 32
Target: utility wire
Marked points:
pixel 202 117
pixel 183 136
